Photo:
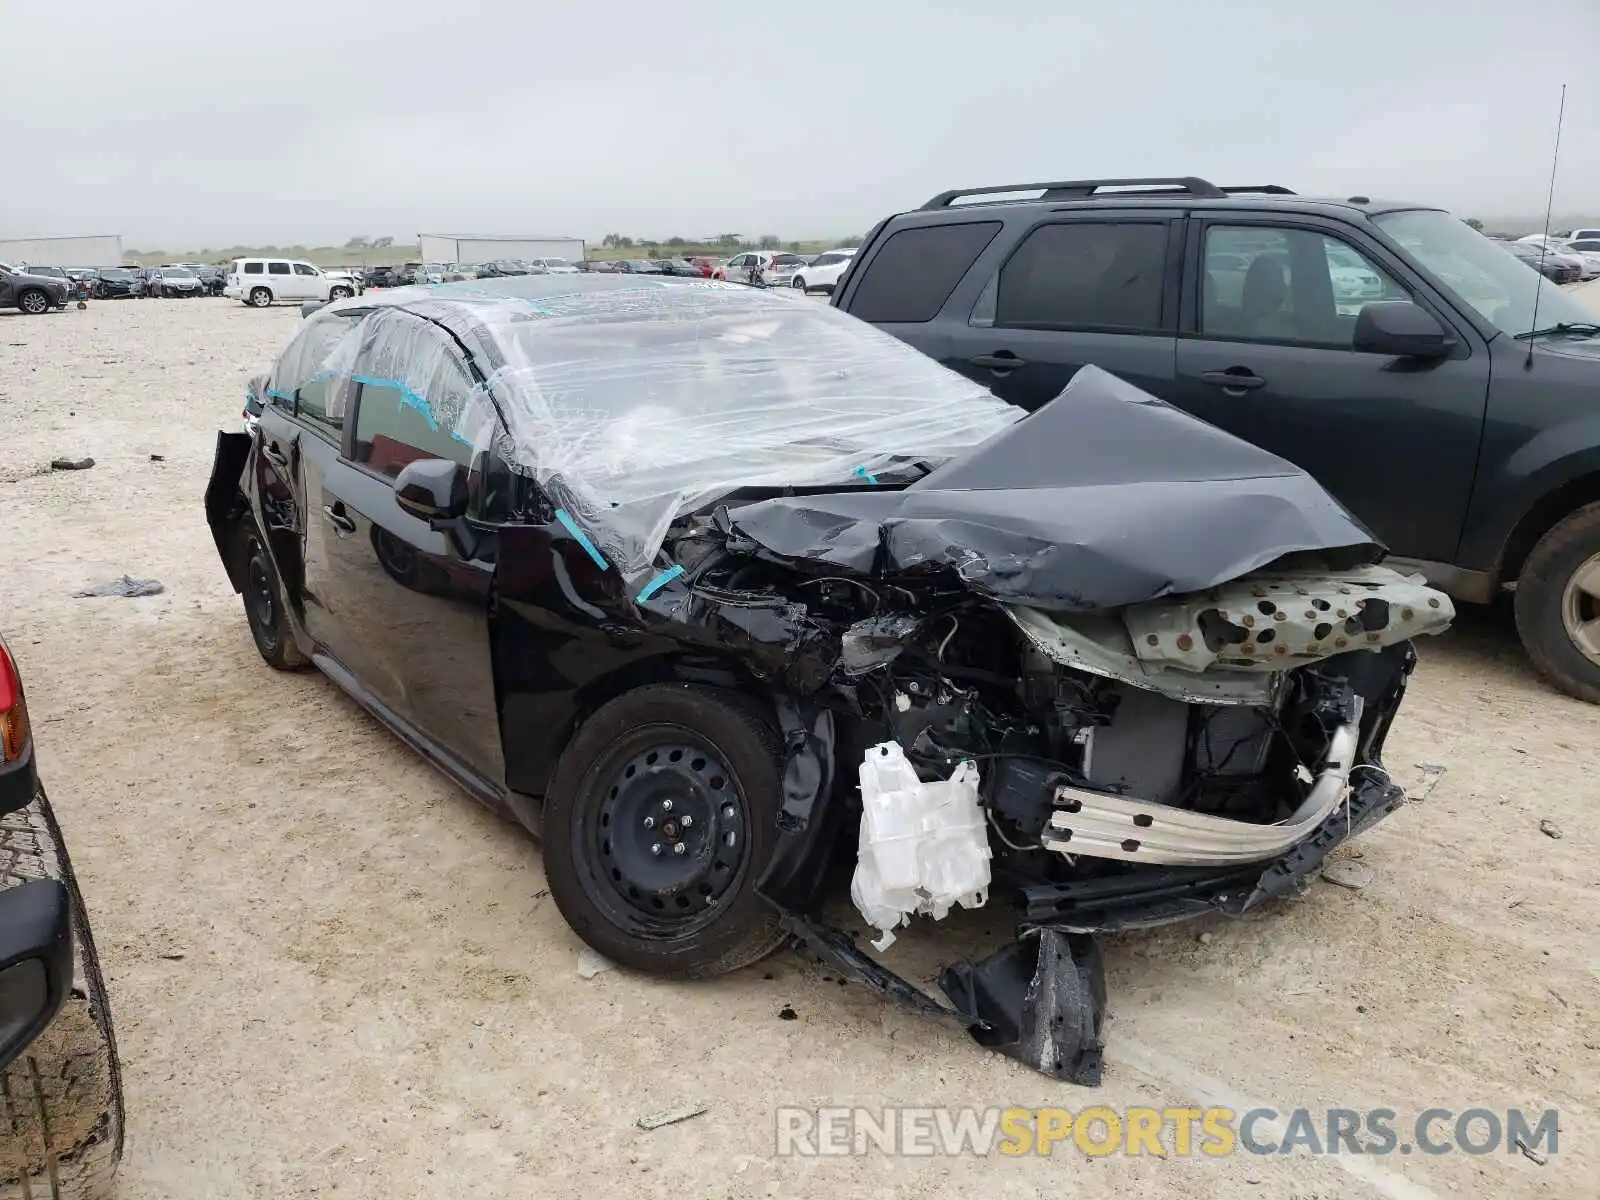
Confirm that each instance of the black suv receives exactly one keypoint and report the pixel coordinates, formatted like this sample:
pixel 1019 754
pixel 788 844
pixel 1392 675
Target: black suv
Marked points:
pixel 1426 377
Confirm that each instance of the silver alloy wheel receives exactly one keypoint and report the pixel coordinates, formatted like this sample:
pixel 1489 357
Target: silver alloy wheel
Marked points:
pixel 34 303
pixel 260 297
pixel 339 293
pixel 1580 608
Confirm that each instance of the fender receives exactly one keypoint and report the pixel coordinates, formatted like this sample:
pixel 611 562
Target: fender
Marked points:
pixel 1553 459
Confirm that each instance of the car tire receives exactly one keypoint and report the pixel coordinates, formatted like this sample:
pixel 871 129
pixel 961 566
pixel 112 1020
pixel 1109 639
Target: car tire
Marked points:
pixel 686 914
pixel 339 293
pixel 799 284
pixel 1558 605
pixel 61 1098
pixel 34 301
pixel 259 297
pixel 264 608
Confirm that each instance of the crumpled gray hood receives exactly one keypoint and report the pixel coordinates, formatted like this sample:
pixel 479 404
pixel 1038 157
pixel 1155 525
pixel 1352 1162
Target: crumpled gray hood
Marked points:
pixel 1105 497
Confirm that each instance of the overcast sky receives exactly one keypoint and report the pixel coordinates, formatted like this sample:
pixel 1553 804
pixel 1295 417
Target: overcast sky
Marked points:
pixel 193 123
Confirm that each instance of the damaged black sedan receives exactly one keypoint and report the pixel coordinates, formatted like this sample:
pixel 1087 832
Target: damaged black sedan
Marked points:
pixel 714 588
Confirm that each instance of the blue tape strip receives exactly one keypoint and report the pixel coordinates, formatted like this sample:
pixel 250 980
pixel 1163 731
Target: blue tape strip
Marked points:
pixel 659 582
pixel 867 475
pixel 583 539
pixel 277 395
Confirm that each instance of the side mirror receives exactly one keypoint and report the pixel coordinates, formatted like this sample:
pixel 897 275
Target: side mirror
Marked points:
pixel 1401 328
pixel 432 489
pixel 35 961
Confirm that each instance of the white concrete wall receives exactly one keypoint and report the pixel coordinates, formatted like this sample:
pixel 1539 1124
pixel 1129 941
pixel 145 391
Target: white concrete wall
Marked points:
pixel 104 251
pixel 439 248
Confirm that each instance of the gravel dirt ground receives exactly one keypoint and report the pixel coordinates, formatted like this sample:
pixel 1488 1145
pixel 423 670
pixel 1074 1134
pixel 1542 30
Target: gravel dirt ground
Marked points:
pixel 333 974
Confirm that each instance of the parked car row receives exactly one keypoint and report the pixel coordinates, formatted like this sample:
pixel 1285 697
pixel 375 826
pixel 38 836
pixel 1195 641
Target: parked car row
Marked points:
pixel 1573 262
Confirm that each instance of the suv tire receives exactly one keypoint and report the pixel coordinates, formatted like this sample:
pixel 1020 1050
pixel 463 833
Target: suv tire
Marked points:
pixel 339 293
pixel 33 301
pixel 259 297
pixel 719 757
pixel 61 1098
pixel 1558 593
pixel 800 284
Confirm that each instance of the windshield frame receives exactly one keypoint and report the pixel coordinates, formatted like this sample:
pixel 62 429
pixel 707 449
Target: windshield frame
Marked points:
pixel 1511 311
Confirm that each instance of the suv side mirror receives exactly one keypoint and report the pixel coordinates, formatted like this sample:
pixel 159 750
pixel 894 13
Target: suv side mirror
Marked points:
pixel 432 489
pixel 1401 328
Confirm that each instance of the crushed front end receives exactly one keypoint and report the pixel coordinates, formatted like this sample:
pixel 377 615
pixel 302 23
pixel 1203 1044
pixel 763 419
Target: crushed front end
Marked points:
pixel 1104 725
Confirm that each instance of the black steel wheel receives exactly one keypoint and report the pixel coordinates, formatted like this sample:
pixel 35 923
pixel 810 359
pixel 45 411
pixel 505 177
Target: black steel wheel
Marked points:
pixel 659 821
pixel 264 609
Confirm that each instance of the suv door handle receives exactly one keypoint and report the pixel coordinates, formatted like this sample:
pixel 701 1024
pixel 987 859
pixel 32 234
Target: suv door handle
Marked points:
pixel 1234 379
pixel 1003 361
pixel 336 517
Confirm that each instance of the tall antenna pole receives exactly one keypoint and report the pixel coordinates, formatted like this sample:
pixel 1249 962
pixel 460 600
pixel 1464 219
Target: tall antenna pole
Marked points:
pixel 1544 245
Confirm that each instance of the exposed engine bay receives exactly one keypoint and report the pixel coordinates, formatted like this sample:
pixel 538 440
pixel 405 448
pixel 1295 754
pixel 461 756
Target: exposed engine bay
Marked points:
pixel 1132 766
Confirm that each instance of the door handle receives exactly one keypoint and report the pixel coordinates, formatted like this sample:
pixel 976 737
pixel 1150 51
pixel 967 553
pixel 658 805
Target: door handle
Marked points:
pixel 1004 361
pixel 1234 379
pixel 336 517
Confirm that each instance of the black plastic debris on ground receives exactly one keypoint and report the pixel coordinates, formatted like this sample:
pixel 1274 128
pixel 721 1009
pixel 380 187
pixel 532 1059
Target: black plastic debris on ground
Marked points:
pixel 126 587
pixel 71 464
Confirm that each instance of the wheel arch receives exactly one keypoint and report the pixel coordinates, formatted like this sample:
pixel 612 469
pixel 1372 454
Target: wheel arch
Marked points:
pixel 533 745
pixel 1548 511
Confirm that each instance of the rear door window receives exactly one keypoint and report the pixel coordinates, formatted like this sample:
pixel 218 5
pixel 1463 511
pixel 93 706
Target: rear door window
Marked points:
pixel 278 268
pixel 1083 275
pixel 911 277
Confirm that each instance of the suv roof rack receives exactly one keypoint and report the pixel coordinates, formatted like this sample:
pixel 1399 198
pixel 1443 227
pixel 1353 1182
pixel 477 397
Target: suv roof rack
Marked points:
pixel 1264 189
pixel 1083 189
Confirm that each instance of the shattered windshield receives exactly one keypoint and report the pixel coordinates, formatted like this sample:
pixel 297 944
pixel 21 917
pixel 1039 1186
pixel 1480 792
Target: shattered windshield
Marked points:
pixel 1490 278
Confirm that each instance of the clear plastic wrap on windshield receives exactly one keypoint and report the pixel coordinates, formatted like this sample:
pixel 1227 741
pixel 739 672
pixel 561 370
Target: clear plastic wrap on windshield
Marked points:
pixel 631 406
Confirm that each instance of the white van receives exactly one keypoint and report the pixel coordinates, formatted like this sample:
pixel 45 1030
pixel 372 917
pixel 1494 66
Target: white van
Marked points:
pixel 260 281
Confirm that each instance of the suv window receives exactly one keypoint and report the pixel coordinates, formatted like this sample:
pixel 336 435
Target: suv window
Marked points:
pixel 277 268
pixel 254 268
pixel 1286 285
pixel 302 269
pixel 1081 274
pixel 395 425
pixel 1586 244
pixel 911 277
